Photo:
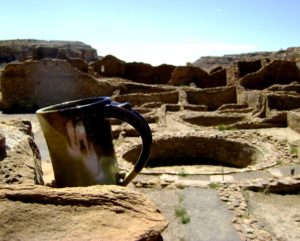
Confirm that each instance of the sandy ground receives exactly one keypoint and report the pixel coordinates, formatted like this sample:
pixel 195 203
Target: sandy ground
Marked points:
pixel 278 214
pixel 210 220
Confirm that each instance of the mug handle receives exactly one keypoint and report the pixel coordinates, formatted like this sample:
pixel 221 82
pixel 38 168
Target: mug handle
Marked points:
pixel 124 112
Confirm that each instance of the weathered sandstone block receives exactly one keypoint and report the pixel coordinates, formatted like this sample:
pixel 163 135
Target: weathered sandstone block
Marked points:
pixel 20 161
pixel 293 118
pixel 106 213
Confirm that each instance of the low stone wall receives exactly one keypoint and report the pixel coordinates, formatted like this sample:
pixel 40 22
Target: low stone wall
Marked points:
pixel 252 98
pixel 212 98
pixel 138 99
pixel 276 72
pixel 212 119
pixel 132 87
pixel 293 118
pixel 282 102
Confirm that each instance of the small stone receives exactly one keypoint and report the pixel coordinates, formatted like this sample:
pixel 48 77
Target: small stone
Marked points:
pixel 236 204
pixel 248 221
pixel 243 206
pixel 284 182
pixel 223 198
pixel 249 230
pixel 264 182
pixel 239 213
pixel 251 236
pixel 296 218
pixel 238 227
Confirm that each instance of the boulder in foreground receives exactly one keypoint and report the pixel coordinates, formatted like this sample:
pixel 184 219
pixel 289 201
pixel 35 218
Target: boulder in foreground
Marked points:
pixel 106 213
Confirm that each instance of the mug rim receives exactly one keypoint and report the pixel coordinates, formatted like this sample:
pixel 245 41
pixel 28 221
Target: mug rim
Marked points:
pixel 74 104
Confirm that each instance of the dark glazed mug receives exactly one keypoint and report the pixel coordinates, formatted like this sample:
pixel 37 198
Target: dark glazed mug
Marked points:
pixel 79 139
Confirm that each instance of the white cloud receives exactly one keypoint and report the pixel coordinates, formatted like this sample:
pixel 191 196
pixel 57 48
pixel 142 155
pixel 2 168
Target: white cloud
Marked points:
pixel 170 53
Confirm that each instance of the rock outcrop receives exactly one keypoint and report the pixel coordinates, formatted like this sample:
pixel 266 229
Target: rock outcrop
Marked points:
pixel 108 213
pixel 19 156
pixel 21 50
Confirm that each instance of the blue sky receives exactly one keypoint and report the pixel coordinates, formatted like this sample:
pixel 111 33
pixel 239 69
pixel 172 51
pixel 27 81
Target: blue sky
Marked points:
pixel 157 31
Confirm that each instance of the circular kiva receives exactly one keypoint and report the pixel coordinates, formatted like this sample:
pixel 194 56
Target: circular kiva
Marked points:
pixel 238 151
pixel 212 119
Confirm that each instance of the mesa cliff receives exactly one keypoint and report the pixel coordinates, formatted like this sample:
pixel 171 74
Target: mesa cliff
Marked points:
pixel 22 49
pixel 208 63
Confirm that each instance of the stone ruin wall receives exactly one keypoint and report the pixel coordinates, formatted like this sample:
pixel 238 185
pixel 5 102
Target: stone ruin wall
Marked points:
pixel 30 85
pixel 294 120
pixel 34 84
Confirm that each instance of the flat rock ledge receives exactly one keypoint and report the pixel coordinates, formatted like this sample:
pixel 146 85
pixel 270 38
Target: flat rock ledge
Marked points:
pixel 20 160
pixel 34 212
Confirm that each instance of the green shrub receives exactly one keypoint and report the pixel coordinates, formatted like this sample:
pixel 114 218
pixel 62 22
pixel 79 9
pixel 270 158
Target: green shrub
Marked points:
pixel 222 127
pixel 183 173
pixel 215 185
pixel 182 214
pixel 293 149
